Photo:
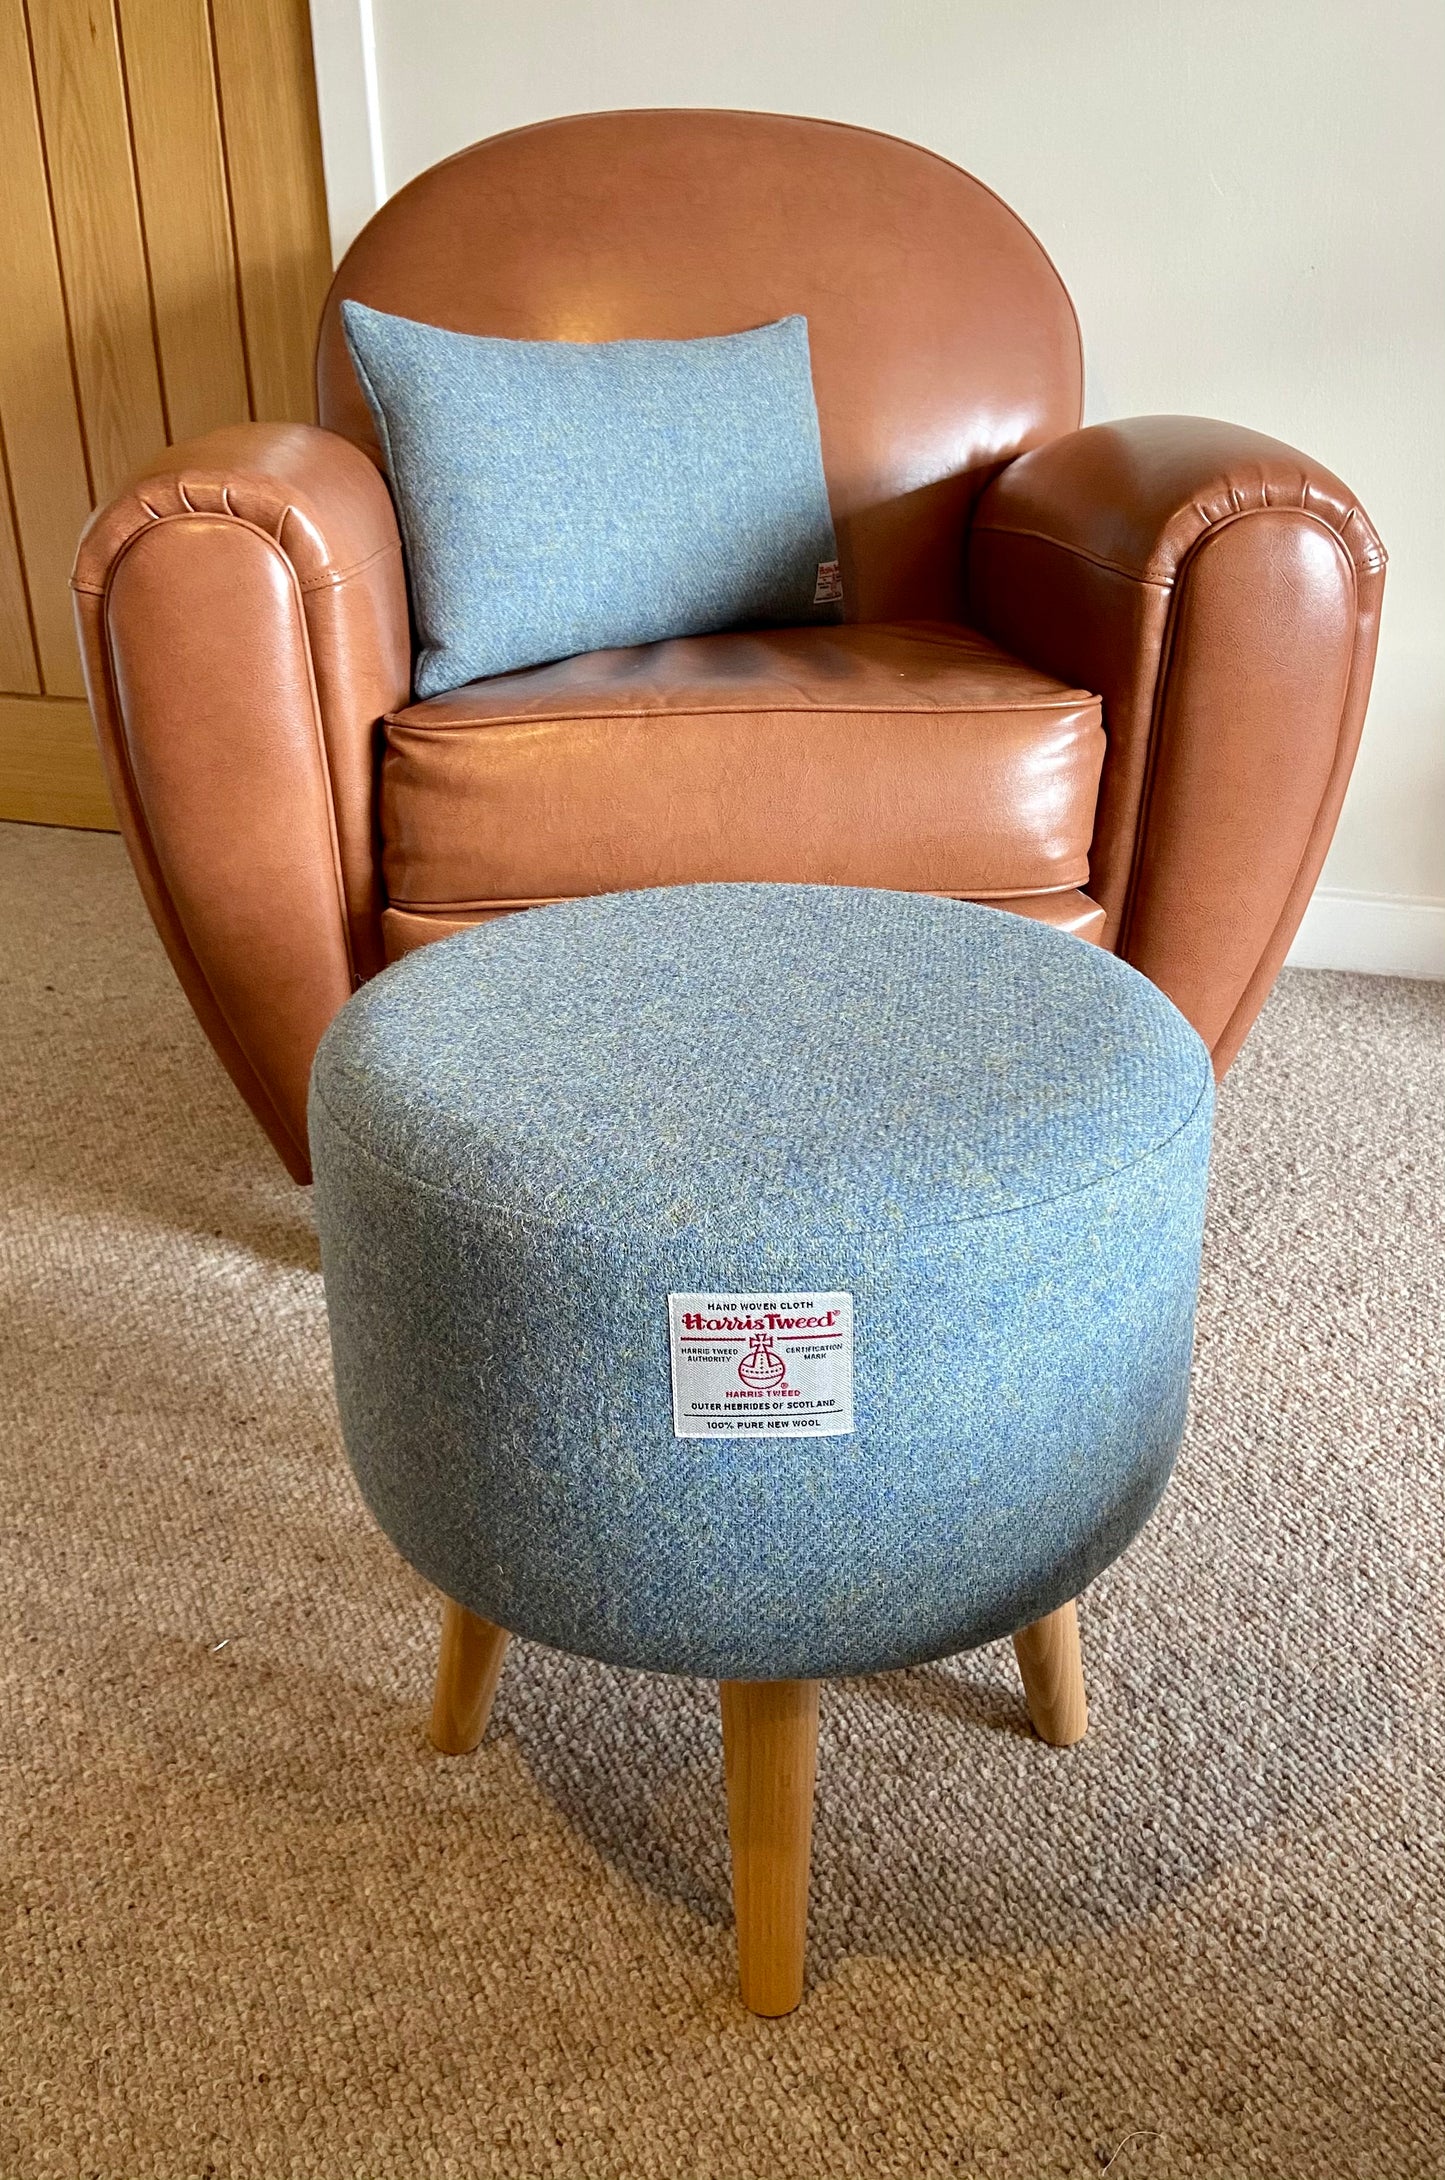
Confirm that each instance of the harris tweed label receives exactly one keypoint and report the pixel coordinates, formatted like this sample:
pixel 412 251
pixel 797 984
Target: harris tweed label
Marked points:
pixel 761 1365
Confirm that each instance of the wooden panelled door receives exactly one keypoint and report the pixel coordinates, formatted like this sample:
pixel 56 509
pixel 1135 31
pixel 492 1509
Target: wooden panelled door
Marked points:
pixel 163 258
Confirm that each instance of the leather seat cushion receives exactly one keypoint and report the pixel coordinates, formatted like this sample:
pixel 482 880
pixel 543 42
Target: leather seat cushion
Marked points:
pixel 916 756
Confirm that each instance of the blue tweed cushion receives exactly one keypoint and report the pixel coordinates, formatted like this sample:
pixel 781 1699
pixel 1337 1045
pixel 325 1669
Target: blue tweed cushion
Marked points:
pixel 562 496
pixel 786 1107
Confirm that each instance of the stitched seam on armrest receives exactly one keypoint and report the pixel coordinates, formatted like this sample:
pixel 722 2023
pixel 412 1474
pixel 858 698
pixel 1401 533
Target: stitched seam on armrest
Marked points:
pixel 1080 552
pixel 322 753
pixel 1368 563
pixel 330 580
pixel 1162 689
pixel 336 576
pixel 1377 570
pixel 118 743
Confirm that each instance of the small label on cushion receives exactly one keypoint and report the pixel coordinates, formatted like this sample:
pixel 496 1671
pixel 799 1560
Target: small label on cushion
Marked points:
pixel 828 591
pixel 761 1365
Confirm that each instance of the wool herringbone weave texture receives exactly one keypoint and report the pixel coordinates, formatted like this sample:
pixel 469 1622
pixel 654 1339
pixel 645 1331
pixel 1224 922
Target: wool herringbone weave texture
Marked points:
pixel 990 1141
pixel 565 496
pixel 254 1927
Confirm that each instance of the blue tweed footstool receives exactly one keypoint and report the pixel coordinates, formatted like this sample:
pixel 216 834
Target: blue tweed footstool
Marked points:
pixel 762 1282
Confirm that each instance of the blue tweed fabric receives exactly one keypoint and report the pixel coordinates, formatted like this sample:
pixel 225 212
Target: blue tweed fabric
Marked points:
pixel 563 496
pixel 993 1136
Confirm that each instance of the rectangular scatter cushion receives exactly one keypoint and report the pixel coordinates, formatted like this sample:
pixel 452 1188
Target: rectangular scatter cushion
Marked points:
pixel 556 497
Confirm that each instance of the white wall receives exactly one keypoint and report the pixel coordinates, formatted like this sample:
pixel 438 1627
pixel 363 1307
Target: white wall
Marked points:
pixel 1244 197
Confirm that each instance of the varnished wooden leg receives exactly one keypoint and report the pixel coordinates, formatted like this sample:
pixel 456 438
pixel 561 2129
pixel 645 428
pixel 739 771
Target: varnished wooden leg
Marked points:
pixel 468 1670
pixel 1053 1676
pixel 770 1749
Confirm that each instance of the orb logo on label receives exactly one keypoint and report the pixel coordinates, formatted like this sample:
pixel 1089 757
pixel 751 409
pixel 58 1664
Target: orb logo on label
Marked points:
pixel 762 1366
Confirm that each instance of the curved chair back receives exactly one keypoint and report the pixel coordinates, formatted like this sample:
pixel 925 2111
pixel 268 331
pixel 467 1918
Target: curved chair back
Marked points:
pixel 943 340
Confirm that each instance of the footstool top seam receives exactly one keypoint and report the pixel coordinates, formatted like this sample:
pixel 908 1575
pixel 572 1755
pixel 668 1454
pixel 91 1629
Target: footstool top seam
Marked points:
pixel 911 1226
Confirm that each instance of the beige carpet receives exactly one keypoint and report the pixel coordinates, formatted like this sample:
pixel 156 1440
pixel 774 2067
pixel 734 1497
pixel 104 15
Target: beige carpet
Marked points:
pixel 252 1926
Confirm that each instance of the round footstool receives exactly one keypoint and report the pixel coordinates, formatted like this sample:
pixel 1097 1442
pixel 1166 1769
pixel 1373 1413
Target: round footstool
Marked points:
pixel 767 1283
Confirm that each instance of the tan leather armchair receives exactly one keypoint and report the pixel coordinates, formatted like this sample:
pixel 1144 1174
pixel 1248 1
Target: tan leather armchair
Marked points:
pixel 1112 677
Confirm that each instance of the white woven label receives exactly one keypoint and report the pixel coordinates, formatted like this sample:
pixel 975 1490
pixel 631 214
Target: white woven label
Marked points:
pixel 761 1365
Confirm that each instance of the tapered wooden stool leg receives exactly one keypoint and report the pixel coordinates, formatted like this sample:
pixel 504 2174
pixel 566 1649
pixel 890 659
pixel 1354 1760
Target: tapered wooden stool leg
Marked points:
pixel 1053 1676
pixel 468 1670
pixel 770 1750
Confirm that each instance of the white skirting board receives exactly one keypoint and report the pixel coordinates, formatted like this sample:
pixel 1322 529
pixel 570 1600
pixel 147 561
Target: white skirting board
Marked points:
pixel 1383 934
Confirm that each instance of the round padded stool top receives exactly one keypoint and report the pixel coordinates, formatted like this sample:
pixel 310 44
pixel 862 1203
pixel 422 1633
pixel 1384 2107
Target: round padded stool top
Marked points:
pixel 761 1281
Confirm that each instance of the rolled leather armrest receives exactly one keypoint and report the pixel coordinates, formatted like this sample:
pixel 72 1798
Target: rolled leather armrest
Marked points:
pixel 1221 592
pixel 243 619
